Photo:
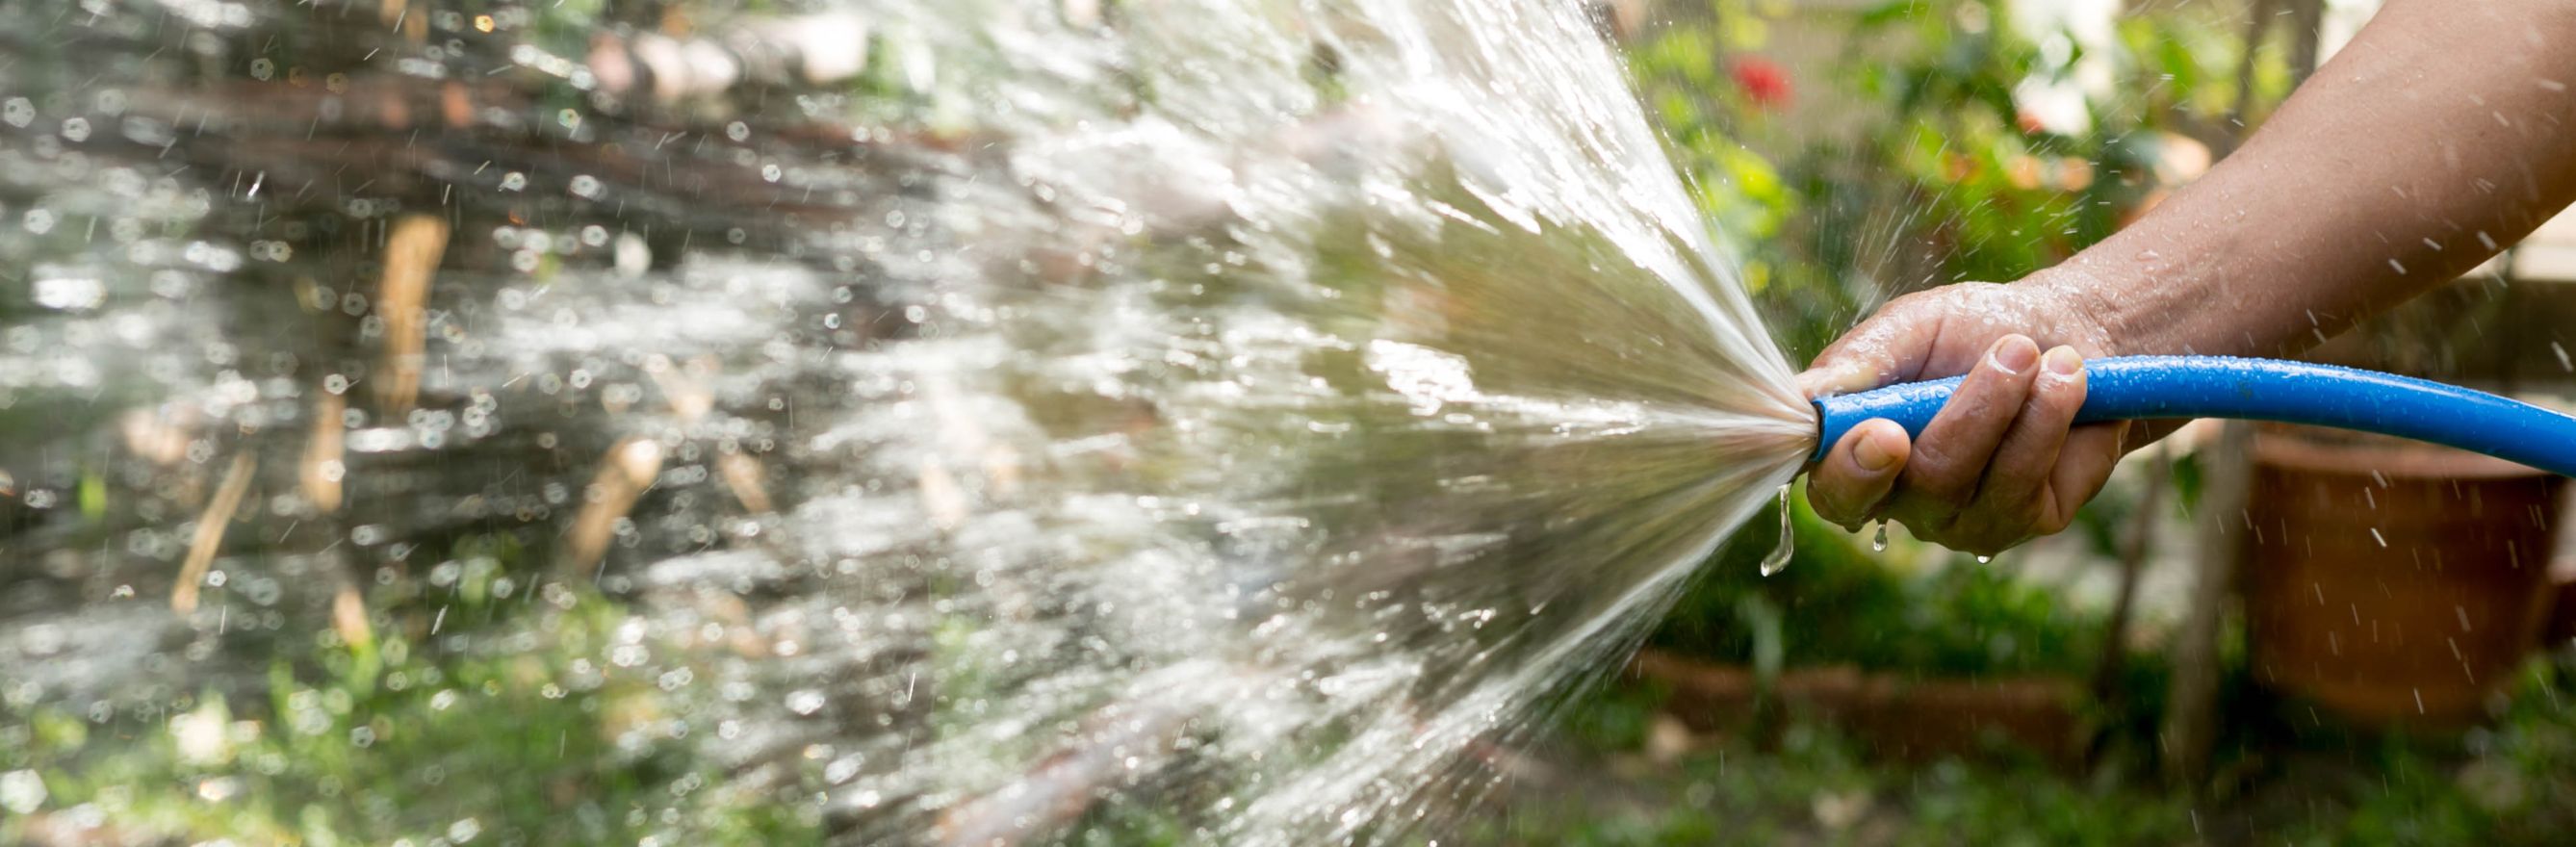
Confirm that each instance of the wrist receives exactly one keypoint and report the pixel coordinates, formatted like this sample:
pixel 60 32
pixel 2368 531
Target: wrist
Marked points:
pixel 2089 303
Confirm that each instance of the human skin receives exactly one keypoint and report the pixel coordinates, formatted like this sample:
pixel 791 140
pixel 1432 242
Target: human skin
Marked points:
pixel 2443 132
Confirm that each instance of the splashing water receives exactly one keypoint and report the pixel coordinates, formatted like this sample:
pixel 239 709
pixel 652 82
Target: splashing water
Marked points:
pixel 963 420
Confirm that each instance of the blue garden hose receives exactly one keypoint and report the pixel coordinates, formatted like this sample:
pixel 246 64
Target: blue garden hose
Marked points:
pixel 2151 387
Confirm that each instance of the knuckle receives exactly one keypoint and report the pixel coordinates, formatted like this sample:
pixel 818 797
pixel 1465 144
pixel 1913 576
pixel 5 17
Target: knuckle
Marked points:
pixel 2051 522
pixel 1948 494
pixel 1933 477
pixel 2031 520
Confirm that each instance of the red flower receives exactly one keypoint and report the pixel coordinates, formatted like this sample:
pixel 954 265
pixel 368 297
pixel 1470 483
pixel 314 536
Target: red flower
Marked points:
pixel 1764 82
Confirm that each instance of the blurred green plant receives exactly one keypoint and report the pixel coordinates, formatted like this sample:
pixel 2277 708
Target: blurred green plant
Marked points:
pixel 2512 784
pixel 1944 171
pixel 385 742
pixel 1840 603
pixel 1935 166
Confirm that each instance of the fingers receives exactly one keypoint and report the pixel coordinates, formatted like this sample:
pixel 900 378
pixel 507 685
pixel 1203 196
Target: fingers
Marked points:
pixel 2083 466
pixel 2014 497
pixel 1848 486
pixel 2002 461
pixel 1955 448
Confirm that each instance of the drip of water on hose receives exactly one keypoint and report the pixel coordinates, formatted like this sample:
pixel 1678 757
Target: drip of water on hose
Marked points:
pixel 1785 548
pixel 1251 416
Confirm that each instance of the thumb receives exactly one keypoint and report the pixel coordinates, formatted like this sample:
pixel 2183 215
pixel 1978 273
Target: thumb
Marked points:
pixel 1830 376
pixel 1890 346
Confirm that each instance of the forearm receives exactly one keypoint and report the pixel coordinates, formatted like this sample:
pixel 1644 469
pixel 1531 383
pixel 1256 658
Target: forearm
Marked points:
pixel 2444 132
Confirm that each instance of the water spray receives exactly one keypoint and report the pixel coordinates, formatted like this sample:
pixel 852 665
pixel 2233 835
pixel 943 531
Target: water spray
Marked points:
pixel 2172 387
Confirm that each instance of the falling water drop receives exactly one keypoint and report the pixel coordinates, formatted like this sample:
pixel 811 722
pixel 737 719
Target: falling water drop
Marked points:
pixel 1788 544
pixel 1878 540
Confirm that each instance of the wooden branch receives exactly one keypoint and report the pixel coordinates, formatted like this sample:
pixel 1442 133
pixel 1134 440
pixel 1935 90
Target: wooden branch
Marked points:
pixel 210 531
pixel 402 299
pixel 2191 706
pixel 2133 562
pixel 625 472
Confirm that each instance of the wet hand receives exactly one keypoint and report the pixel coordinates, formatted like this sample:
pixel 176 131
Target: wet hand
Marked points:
pixel 2002 463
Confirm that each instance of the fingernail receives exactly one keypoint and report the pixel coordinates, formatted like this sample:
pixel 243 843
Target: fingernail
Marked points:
pixel 2064 361
pixel 1873 455
pixel 2014 354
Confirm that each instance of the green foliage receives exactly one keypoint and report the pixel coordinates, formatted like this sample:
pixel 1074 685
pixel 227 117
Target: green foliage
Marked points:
pixel 1616 718
pixel 384 742
pixel 2514 784
pixel 1779 223
pixel 2002 195
pixel 1943 173
pixel 1819 787
pixel 1838 603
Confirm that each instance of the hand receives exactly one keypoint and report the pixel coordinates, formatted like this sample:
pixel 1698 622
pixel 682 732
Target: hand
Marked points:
pixel 2000 464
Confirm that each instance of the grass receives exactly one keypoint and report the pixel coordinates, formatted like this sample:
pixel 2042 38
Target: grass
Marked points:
pixel 387 744
pixel 2513 783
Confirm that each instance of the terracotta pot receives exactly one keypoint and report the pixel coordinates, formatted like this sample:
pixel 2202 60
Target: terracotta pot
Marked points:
pixel 2561 628
pixel 2393 582
pixel 1897 716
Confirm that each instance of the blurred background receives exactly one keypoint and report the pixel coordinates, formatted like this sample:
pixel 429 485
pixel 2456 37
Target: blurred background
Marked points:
pixel 2256 635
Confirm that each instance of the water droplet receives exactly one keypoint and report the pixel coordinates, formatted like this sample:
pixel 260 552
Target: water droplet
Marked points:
pixel 68 291
pixel 21 791
pixel 1878 540
pixel 1985 559
pixel 1788 544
